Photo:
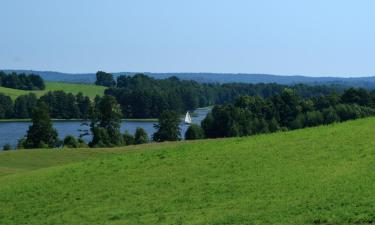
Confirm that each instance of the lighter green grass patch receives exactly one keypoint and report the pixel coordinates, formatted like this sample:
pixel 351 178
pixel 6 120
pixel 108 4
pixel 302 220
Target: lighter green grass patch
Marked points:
pixel 89 90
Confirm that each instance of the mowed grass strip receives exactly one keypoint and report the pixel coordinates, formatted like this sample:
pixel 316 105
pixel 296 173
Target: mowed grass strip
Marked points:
pixel 89 90
pixel 322 175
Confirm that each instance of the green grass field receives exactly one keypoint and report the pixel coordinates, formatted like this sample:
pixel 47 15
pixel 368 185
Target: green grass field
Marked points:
pixel 86 89
pixel 323 175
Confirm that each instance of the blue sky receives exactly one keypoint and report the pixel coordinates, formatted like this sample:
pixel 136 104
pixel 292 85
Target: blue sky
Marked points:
pixel 310 37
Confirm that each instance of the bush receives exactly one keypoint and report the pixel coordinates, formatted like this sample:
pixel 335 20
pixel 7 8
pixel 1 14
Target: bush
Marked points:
pixel 141 136
pixel 194 132
pixel 70 142
pixel 128 138
pixel 330 116
pixel 7 147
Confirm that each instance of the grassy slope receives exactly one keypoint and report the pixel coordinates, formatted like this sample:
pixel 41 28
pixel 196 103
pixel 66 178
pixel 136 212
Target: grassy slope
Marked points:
pixel 323 175
pixel 86 89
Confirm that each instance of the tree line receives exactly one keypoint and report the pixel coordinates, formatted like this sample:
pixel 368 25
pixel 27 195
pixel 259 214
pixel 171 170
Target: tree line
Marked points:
pixel 105 121
pixel 62 105
pixel 21 81
pixel 251 115
pixel 141 96
pixel 248 115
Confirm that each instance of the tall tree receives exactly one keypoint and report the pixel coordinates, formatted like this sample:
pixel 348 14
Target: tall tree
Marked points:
pixel 24 105
pixel 168 128
pixel 194 132
pixel 105 123
pixel 6 107
pixel 104 79
pixel 41 133
pixel 141 136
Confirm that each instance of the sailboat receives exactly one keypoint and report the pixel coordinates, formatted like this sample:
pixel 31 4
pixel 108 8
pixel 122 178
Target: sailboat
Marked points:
pixel 187 118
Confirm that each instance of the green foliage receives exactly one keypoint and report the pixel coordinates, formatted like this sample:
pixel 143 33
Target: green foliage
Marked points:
pixel 141 96
pixel 253 115
pixel 62 105
pixel 6 107
pixel 41 133
pixel 24 106
pixel 168 128
pixel 21 81
pixel 70 142
pixel 141 136
pixel 194 132
pixel 7 147
pixel 104 79
pixel 105 122
pixel 128 138
pixel 322 175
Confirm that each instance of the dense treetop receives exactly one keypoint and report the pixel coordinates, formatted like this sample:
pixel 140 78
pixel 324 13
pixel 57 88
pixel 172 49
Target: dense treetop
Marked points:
pixel 21 81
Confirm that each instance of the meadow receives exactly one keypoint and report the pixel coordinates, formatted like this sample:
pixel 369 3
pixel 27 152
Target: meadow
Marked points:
pixel 87 89
pixel 321 175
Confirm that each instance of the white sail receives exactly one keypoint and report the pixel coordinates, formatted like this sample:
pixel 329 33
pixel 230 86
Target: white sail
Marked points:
pixel 187 118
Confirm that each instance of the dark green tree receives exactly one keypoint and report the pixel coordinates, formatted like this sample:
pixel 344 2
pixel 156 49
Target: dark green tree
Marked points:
pixel 104 79
pixel 168 128
pixel 6 107
pixel 70 142
pixel 128 138
pixel 7 147
pixel 194 132
pixel 41 133
pixel 105 123
pixel 24 105
pixel 141 136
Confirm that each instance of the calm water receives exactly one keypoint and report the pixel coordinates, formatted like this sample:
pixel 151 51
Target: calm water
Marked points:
pixel 11 132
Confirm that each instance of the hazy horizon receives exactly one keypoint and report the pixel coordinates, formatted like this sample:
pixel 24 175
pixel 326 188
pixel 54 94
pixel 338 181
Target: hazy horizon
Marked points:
pixel 309 38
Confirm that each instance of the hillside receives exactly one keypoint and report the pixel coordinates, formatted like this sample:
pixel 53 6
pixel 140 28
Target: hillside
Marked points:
pixel 364 82
pixel 86 89
pixel 322 175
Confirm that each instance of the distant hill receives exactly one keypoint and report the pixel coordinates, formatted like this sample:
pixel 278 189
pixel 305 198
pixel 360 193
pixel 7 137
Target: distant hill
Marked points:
pixel 321 175
pixel 365 82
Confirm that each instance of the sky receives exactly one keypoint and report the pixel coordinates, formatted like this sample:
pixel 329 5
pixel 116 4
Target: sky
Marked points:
pixel 288 37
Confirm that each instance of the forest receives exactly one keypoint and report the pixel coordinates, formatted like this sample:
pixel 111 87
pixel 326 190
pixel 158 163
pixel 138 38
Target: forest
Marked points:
pixel 141 96
pixel 21 81
pixel 250 115
pixel 62 105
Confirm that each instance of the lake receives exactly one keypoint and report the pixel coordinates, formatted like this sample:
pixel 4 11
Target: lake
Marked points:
pixel 11 132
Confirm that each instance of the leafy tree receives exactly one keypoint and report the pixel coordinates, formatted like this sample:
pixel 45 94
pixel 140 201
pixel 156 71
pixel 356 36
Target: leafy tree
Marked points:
pixel 41 133
pixel 168 128
pixel 128 138
pixel 105 122
pixel 70 142
pixel 330 116
pixel 6 107
pixel 62 105
pixel 84 106
pixel 314 118
pixel 104 79
pixel 141 136
pixel 7 147
pixel 21 81
pixel 24 106
pixel 194 132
